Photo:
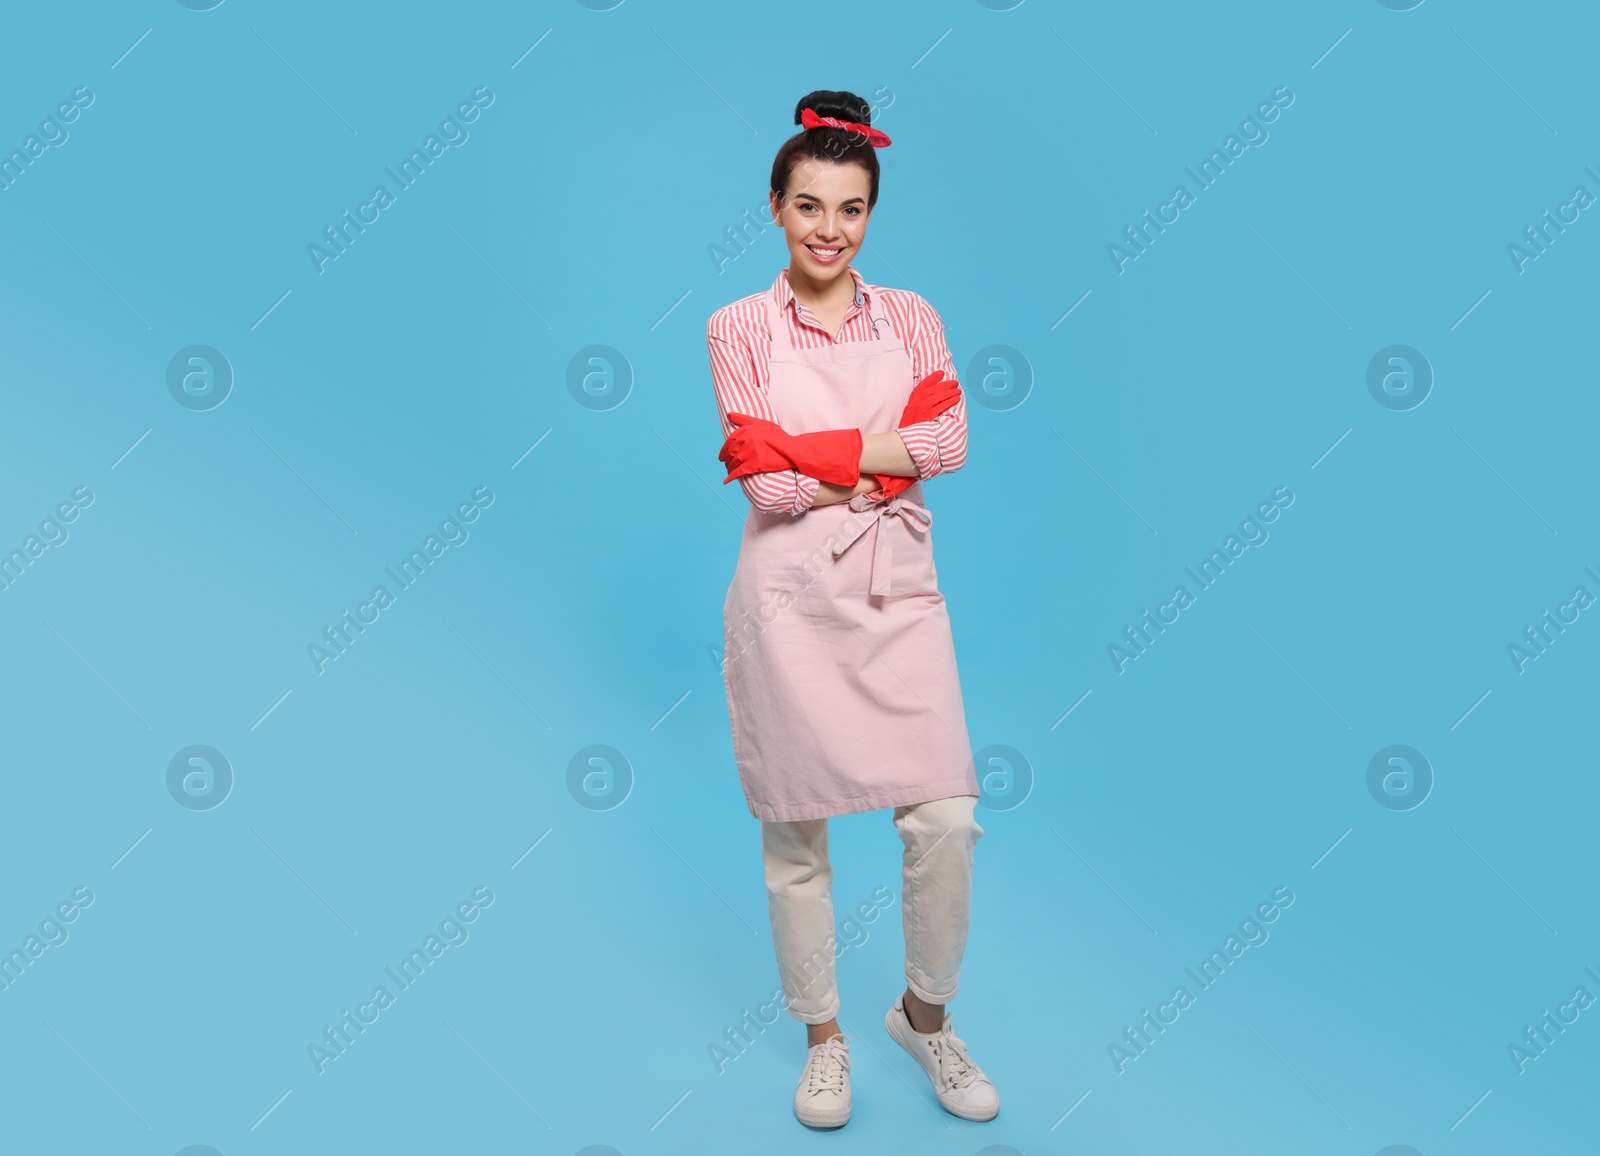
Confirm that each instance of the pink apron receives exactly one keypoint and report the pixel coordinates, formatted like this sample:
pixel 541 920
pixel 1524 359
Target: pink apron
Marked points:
pixel 839 665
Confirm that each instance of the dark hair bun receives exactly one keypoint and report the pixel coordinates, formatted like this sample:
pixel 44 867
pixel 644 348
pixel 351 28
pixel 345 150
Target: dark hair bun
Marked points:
pixel 839 105
pixel 836 145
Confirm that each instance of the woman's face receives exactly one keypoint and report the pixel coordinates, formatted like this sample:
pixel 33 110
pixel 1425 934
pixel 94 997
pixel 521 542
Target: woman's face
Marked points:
pixel 826 210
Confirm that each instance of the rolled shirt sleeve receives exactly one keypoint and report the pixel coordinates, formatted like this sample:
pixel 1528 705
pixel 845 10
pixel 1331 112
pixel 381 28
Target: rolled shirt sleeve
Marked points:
pixel 938 446
pixel 737 389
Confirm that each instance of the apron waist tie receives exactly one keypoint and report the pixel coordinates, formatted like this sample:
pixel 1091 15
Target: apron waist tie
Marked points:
pixel 918 517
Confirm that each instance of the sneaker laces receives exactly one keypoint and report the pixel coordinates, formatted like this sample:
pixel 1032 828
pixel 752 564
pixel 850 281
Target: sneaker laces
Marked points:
pixel 829 1060
pixel 956 1068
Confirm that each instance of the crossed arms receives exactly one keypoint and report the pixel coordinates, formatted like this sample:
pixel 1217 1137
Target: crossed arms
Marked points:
pixel 916 450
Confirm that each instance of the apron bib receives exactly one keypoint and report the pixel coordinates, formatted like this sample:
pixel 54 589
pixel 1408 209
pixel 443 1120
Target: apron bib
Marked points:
pixel 839 665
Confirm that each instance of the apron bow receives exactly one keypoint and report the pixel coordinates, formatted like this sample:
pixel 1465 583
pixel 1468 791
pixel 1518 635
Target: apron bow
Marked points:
pixel 918 517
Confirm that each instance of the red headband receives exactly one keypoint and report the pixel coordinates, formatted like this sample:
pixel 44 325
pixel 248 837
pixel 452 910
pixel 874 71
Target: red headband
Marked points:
pixel 811 120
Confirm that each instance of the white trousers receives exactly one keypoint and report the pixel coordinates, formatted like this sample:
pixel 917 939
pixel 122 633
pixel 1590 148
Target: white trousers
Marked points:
pixel 936 902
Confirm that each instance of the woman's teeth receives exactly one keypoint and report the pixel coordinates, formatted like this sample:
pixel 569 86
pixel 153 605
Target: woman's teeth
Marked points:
pixel 824 252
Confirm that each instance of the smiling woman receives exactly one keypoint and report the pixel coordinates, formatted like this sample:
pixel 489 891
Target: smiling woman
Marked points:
pixel 837 399
pixel 817 154
pixel 739 237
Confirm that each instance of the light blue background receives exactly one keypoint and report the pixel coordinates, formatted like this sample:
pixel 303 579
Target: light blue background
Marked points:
pixel 1166 402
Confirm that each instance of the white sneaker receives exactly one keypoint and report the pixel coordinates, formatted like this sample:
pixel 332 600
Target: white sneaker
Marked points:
pixel 822 1098
pixel 960 1084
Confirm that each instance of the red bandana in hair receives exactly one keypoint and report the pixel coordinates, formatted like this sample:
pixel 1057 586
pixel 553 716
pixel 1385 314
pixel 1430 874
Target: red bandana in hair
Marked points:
pixel 809 119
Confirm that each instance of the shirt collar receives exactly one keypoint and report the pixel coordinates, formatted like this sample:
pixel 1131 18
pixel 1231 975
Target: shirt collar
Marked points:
pixel 785 292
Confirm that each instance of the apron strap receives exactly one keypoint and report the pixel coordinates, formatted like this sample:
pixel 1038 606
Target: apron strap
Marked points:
pixel 918 517
pixel 875 317
pixel 777 324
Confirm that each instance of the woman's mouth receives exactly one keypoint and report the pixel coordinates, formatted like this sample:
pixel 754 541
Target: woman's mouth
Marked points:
pixel 825 255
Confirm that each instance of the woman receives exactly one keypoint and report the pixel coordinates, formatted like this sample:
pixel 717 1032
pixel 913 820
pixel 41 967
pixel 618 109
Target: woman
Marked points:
pixel 839 666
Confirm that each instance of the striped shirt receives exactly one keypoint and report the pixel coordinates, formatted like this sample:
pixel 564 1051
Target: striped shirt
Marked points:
pixel 740 347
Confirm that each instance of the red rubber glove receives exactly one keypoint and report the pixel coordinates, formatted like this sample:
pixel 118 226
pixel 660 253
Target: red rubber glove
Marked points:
pixel 931 397
pixel 757 445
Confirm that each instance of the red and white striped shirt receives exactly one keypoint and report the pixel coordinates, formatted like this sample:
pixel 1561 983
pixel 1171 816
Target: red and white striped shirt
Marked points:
pixel 740 348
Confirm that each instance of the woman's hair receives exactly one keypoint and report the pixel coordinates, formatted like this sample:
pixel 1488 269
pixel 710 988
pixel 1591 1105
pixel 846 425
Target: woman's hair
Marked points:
pixel 840 145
